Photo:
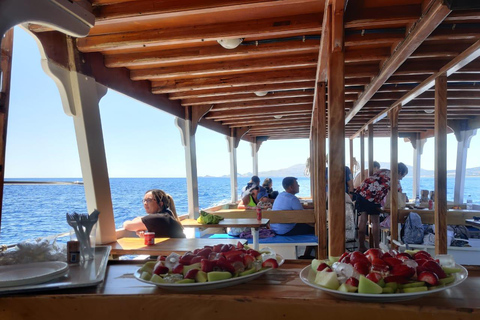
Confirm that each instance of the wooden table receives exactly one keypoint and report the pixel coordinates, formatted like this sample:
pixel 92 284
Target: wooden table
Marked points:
pixel 254 224
pixel 162 246
pixel 473 223
pixel 280 294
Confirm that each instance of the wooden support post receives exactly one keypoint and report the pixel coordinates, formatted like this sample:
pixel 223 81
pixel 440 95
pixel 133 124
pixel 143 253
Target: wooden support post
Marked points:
pixel 336 134
pixel 187 129
pixel 6 54
pixel 370 167
pixel 393 115
pixel 370 149
pixel 362 155
pixel 441 165
pixel 351 156
pixel 320 183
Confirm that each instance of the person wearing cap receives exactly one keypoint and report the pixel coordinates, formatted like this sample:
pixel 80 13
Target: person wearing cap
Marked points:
pixel 250 199
pixel 254 181
pixel 288 201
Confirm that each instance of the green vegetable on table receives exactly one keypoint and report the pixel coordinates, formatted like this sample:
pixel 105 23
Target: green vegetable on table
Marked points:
pixel 207 218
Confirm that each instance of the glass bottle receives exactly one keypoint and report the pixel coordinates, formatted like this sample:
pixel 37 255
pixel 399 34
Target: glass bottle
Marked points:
pixel 469 202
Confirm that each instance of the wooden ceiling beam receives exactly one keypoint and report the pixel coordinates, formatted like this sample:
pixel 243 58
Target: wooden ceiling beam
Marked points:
pixel 266 124
pixel 272 77
pixel 246 97
pixel 120 12
pixel 160 58
pixel 261 104
pixel 187 71
pixel 247 89
pixel 271 119
pixel 284 27
pixel 417 34
pixel 358 16
pixel 467 56
pixel 257 111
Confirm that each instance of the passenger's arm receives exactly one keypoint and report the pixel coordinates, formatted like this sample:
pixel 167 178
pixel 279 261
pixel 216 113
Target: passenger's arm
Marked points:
pixel 246 200
pixel 134 225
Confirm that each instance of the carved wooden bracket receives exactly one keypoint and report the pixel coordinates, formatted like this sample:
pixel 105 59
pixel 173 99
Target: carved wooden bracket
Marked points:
pixel 198 112
pixel 237 134
pixel 259 140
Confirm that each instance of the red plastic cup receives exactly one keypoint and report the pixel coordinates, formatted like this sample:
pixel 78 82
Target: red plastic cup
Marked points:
pixel 259 214
pixel 149 238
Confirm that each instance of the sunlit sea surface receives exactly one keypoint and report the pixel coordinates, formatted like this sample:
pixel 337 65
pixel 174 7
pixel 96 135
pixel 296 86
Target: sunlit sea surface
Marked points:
pixel 38 210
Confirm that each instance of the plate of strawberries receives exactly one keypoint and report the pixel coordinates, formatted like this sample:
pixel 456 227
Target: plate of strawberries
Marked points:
pixel 384 276
pixel 210 267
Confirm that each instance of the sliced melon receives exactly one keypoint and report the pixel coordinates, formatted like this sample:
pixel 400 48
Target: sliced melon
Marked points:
pixel 367 286
pixel 415 289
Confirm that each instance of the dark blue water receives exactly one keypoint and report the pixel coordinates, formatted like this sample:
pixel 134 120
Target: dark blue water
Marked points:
pixel 31 211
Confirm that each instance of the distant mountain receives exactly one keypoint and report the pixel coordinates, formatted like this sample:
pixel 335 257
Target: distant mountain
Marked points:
pixel 298 170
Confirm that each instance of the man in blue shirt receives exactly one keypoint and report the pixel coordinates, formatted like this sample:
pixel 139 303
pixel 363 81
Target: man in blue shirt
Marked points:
pixel 288 201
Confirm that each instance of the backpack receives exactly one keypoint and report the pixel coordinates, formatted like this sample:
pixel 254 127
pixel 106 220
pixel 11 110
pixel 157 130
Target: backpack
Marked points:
pixel 412 230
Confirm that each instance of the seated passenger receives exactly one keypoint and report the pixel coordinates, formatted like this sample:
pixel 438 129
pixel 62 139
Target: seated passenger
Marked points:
pixel 267 184
pixel 249 200
pixel 159 219
pixel 288 201
pixel 263 201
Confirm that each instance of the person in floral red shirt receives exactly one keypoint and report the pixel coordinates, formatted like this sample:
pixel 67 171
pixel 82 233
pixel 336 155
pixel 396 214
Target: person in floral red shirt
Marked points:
pixel 369 195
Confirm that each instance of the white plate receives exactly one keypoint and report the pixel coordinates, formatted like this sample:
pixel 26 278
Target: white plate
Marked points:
pixel 308 275
pixel 187 287
pixel 31 273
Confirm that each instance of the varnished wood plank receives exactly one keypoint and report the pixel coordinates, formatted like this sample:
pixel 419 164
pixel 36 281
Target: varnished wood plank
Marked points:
pixel 284 26
pixel 6 55
pixel 187 71
pixel 300 109
pixel 418 34
pixel 247 97
pixel 215 52
pixel 321 196
pixel 336 134
pixel 247 89
pixel 441 164
pixel 264 103
pixel 393 116
pixel 272 77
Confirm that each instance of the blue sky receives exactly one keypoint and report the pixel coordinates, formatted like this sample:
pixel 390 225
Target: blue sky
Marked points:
pixel 141 141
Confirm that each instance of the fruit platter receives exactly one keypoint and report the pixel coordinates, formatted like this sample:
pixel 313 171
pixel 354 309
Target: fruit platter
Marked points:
pixel 384 276
pixel 210 267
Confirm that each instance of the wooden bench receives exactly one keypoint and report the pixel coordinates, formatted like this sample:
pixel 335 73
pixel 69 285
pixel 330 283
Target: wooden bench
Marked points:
pixel 462 255
pixel 284 245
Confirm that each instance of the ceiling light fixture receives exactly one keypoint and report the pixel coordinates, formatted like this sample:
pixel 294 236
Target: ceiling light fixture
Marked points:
pixel 429 111
pixel 230 43
pixel 278 117
pixel 261 93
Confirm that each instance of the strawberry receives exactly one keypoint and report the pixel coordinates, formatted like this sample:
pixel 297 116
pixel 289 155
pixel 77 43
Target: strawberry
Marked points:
pixel 226 247
pixel 205 252
pixel 387 255
pixel 402 270
pixel 379 265
pixel 226 266
pixel 345 258
pixel 429 277
pixel 270 263
pixel 238 257
pixel 239 245
pixel 392 261
pixel 322 266
pixel 196 259
pixel 248 260
pixel 186 258
pixel 435 268
pixel 254 253
pixel 373 276
pixel 423 253
pixel 362 267
pixel 232 253
pixel 373 253
pixel 217 248
pixel 357 256
pixel 161 258
pixel 160 268
pixel 208 265
pixel 396 279
pixel 404 256
pixel 178 268
pixel 352 281
pixel 191 274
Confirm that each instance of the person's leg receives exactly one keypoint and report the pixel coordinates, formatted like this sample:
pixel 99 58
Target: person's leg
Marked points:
pixel 375 219
pixel 362 225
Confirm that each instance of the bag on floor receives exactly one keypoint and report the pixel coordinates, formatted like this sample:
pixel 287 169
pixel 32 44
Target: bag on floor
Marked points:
pixel 412 231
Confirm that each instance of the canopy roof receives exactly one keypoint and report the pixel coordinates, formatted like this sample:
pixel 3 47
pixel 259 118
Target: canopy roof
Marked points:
pixel 166 54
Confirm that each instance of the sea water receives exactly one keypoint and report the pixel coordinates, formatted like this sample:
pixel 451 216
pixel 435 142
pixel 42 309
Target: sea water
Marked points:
pixel 39 210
